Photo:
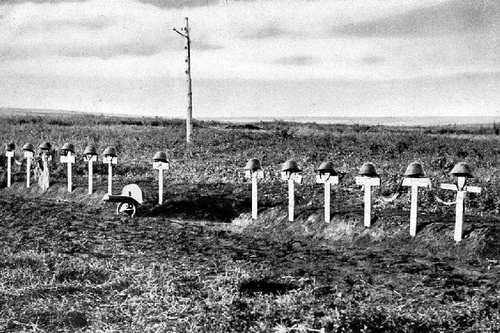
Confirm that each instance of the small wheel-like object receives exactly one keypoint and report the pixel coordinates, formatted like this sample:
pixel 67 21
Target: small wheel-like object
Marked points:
pixel 126 208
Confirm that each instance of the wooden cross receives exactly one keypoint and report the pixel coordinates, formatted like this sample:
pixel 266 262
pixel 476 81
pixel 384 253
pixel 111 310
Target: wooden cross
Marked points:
pixel 254 175
pixel 461 190
pixel 415 183
pixel 29 156
pixel 328 180
pixel 90 159
pixel 69 159
pixel 292 178
pixel 10 155
pixel 160 166
pixel 110 160
pixel 367 183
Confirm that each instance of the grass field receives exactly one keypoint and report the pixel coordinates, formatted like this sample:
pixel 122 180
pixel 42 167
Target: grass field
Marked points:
pixel 197 263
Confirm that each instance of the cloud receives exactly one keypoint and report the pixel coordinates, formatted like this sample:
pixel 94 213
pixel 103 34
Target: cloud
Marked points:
pixel 262 40
pixel 269 31
pixel 299 60
pixel 459 16
pixel 372 59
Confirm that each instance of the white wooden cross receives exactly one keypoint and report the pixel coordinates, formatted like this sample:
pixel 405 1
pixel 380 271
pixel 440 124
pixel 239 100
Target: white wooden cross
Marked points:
pixel 110 160
pixel 367 183
pixel 254 176
pixel 29 157
pixel 160 166
pixel 292 178
pixel 69 159
pixel 415 183
pixel 461 190
pixel 328 180
pixel 10 155
pixel 90 159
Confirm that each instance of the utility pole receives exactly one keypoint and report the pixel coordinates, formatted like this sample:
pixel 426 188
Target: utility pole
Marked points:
pixel 189 116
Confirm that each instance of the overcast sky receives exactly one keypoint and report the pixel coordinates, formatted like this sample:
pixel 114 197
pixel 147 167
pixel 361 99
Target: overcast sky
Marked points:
pixel 253 58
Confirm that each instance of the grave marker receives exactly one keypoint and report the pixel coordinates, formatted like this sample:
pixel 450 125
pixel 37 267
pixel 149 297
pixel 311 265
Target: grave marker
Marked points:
pixel 414 178
pixel 90 156
pixel 253 171
pixel 328 176
pixel 368 178
pixel 160 163
pixel 291 173
pixel 9 153
pixel 110 158
pixel 68 157
pixel 462 172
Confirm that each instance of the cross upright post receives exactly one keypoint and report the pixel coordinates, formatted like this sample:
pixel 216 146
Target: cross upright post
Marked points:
pixel 414 184
pixel 462 191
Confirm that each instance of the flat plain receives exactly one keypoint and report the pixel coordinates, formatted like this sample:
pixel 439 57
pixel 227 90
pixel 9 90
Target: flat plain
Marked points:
pixel 198 263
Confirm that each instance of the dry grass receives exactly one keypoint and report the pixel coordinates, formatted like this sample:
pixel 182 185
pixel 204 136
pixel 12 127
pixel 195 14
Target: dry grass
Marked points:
pixel 71 265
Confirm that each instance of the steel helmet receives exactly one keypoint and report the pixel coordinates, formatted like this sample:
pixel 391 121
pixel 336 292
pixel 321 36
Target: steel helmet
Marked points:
pixel 90 150
pixel 326 167
pixel 28 147
pixel 290 166
pixel 414 170
pixel 110 151
pixel 68 147
pixel 11 146
pixel 461 169
pixel 160 156
pixel 45 146
pixel 368 170
pixel 253 164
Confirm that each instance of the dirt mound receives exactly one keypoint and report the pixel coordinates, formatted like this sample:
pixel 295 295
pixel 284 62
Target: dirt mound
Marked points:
pixel 390 228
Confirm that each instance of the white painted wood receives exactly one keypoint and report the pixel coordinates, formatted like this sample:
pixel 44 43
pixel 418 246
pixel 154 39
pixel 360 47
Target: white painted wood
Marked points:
pixel 160 186
pixel 451 187
pixel 413 210
pixel 69 159
pixel 9 155
pixel 415 183
pixel 368 206
pixel 367 183
pixel 291 199
pixel 110 178
pixel 425 182
pixel 254 195
pixel 459 216
pixel 161 165
pixel 460 208
pixel 327 201
pixel 91 175
pixel 473 189
pixel 110 160
pixel 70 177
pixel 90 160
pixel 327 180
pixel 371 181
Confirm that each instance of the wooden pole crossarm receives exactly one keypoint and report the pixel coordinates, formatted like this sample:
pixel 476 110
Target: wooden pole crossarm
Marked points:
pixel 180 33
